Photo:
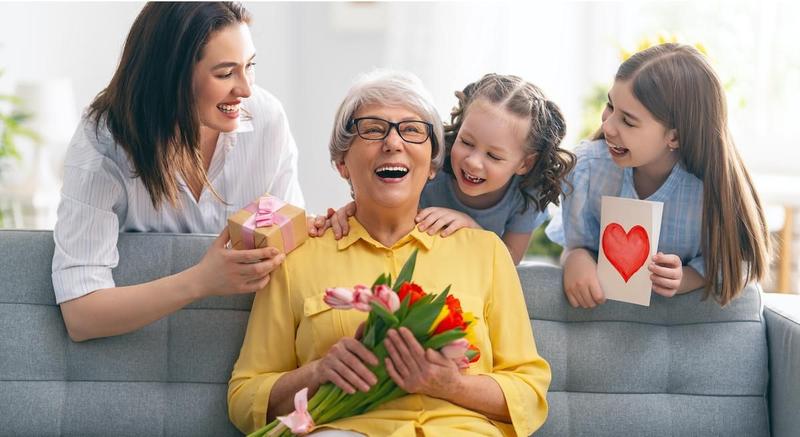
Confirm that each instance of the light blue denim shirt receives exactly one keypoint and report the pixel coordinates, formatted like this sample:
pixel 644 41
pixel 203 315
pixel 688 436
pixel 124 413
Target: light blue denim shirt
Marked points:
pixel 596 175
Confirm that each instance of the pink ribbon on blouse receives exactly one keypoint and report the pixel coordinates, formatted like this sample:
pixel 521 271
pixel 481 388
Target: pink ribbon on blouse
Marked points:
pixel 265 214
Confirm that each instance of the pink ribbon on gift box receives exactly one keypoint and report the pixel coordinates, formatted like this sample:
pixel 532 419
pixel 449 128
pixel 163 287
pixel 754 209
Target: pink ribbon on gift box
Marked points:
pixel 265 214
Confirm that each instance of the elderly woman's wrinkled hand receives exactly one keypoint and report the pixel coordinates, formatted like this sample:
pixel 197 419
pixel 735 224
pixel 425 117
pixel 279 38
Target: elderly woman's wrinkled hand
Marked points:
pixel 417 370
pixel 344 365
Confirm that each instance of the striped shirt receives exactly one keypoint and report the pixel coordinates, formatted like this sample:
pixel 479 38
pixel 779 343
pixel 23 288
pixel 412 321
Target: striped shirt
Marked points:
pixel 100 197
pixel 596 175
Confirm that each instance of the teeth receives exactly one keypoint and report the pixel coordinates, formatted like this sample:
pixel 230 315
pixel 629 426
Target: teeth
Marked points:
pixel 388 168
pixel 471 178
pixel 228 108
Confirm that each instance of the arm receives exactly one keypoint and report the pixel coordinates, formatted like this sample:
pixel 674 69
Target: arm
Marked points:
pixel 523 376
pixel 119 310
pixel 517 243
pixel 581 284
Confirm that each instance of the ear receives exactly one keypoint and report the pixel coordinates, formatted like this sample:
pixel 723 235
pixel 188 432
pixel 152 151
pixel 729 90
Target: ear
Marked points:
pixel 527 164
pixel 343 171
pixel 432 173
pixel 672 139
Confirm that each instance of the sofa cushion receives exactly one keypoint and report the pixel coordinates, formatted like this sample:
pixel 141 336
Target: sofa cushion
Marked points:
pixel 681 366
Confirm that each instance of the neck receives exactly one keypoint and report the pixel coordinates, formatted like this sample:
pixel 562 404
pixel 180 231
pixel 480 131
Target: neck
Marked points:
pixel 386 226
pixel 647 179
pixel 208 143
pixel 482 201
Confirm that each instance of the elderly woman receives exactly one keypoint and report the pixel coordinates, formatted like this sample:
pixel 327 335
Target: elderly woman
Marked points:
pixel 386 143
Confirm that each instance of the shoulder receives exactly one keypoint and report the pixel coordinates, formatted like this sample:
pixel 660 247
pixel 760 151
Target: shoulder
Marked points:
pixel 466 242
pixel 93 148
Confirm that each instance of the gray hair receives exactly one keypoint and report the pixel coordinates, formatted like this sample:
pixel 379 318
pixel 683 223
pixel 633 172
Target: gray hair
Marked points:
pixel 390 88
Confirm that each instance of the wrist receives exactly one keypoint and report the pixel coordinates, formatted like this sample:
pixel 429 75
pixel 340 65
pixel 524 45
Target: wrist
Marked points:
pixel 190 285
pixel 455 391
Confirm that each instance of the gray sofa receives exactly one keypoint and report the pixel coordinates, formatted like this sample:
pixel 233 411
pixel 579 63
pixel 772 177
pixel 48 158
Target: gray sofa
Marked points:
pixel 680 367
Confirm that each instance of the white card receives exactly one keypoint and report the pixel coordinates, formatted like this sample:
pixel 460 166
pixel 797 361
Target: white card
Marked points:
pixel 629 231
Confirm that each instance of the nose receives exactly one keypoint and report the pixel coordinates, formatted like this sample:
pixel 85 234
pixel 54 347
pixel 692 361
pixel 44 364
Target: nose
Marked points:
pixel 244 86
pixel 393 142
pixel 608 125
pixel 473 162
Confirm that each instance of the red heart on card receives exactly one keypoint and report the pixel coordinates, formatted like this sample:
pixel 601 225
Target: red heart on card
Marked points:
pixel 627 252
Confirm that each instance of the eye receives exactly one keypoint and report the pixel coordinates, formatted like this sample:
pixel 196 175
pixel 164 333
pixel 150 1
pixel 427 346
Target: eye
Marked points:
pixel 465 142
pixel 250 66
pixel 494 157
pixel 411 129
pixel 627 123
pixel 609 106
pixel 226 75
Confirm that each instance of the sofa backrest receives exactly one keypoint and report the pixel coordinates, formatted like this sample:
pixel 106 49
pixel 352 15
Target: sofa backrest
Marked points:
pixel 679 367
pixel 169 378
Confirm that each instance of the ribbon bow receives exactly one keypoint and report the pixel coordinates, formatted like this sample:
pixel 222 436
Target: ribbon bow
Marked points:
pixel 299 421
pixel 265 214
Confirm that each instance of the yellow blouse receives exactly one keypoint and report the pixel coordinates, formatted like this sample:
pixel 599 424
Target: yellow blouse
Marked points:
pixel 291 325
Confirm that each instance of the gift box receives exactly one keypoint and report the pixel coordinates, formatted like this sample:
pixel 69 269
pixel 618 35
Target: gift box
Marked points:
pixel 268 221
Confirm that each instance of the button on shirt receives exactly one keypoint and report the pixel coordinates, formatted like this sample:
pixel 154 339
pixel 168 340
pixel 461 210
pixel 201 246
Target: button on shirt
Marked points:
pixel 101 196
pixel 596 175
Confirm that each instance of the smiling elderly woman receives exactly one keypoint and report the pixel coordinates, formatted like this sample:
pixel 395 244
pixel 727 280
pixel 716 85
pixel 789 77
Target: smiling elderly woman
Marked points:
pixel 386 143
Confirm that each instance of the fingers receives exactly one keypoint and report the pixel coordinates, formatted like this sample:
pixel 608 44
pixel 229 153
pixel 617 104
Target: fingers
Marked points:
pixel 359 331
pixel 222 239
pixel 665 272
pixel 317 225
pixel 253 255
pixel 667 260
pixel 405 351
pixel 339 222
pixel 345 366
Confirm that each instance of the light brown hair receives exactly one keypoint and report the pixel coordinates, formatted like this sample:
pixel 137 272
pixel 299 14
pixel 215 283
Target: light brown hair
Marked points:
pixel 149 105
pixel 678 86
pixel 547 129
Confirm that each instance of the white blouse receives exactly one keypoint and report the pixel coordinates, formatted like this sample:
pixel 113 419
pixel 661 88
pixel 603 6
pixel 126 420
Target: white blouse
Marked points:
pixel 101 197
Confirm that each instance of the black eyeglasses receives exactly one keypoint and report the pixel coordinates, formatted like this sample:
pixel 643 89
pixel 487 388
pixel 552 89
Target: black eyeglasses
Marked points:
pixel 372 128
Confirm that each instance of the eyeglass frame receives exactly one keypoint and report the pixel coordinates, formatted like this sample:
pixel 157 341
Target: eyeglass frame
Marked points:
pixel 396 126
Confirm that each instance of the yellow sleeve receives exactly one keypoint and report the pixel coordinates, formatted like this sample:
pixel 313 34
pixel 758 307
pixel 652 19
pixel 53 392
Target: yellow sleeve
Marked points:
pixel 522 374
pixel 268 351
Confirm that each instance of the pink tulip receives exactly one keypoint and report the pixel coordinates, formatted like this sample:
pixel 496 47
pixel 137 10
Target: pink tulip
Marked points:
pixel 339 298
pixel 362 296
pixel 456 349
pixel 387 297
pixel 299 421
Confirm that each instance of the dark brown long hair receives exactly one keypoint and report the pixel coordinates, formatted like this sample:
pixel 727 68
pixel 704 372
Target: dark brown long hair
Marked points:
pixel 544 136
pixel 678 86
pixel 149 105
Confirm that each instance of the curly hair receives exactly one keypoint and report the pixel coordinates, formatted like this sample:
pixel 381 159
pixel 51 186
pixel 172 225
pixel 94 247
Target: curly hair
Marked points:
pixel 547 130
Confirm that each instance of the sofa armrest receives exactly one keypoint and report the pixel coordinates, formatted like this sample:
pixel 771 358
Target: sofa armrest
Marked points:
pixel 782 315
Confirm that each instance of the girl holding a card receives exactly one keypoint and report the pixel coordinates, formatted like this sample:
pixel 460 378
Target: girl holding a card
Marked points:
pixel 665 138
pixel 179 139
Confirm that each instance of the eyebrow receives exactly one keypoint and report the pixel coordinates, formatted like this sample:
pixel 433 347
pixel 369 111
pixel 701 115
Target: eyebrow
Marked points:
pixel 230 64
pixel 626 113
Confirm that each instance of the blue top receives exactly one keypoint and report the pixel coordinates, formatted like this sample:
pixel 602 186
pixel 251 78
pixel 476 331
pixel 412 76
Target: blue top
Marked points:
pixel 596 175
pixel 507 215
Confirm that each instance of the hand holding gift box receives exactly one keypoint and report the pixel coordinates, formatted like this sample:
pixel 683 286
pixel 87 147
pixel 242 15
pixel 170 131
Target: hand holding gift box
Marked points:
pixel 268 222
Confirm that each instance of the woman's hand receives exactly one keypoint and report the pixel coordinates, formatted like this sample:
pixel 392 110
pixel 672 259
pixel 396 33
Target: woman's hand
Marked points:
pixel 319 224
pixel 581 285
pixel 339 220
pixel 417 370
pixel 225 271
pixel 446 220
pixel 666 272
pixel 344 365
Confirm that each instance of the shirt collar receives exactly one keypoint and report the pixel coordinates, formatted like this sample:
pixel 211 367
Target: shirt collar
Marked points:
pixel 664 192
pixel 357 232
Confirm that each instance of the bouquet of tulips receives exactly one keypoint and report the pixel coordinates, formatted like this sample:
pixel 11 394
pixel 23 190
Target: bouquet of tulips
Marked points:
pixel 437 322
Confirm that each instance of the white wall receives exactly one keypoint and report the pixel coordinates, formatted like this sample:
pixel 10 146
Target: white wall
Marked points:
pixel 308 54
